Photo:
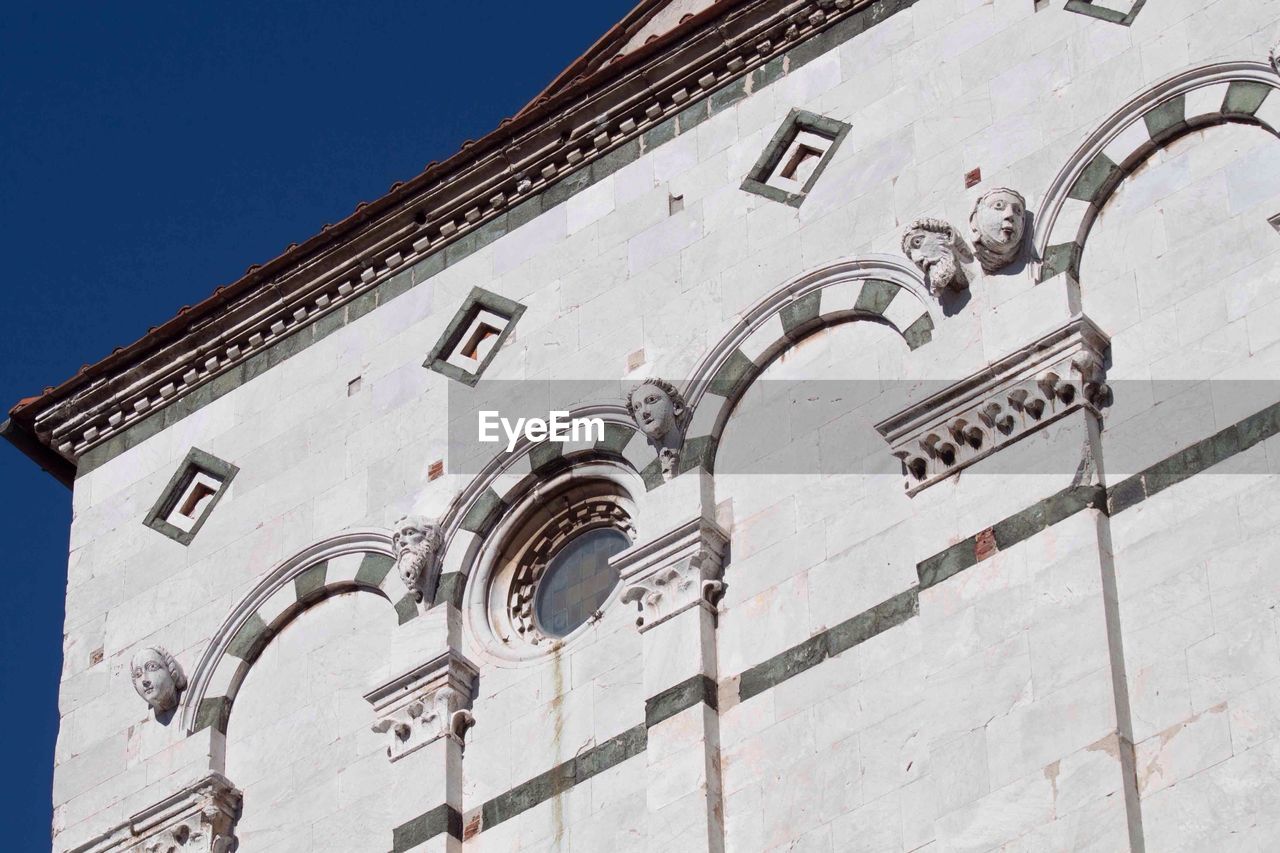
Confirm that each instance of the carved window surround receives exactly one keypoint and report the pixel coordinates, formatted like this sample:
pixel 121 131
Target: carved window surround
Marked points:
pixel 1044 381
pixel 425 704
pixel 198 819
pixel 573 521
pixel 674 572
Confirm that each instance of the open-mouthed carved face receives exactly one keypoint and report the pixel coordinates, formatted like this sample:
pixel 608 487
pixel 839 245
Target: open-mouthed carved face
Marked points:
pixel 999 219
pixel 153 680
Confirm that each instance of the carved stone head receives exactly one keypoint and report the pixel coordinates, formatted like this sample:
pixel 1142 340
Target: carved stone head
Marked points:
pixel 997 223
pixel 930 244
pixel 416 542
pixel 158 678
pixel 658 409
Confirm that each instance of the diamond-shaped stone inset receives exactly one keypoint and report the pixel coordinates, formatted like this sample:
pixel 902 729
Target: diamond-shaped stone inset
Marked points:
pixel 190 496
pixel 474 336
pixel 1120 12
pixel 795 157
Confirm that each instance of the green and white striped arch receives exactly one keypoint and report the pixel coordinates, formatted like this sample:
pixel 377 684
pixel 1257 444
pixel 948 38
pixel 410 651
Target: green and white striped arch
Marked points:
pixel 354 560
pixel 880 288
pixel 1202 97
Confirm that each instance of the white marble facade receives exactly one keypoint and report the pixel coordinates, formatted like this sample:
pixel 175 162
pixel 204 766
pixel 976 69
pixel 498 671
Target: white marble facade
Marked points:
pixel 825 662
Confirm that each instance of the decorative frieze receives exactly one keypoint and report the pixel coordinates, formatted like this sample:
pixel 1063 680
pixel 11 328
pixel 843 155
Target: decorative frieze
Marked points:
pixel 425 704
pixel 977 416
pixel 198 819
pixel 673 573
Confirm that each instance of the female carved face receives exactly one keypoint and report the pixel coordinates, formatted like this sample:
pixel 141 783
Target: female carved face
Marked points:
pixel 654 410
pixel 153 681
pixel 998 220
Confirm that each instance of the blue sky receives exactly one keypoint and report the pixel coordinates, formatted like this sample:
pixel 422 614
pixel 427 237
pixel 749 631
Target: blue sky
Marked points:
pixel 151 154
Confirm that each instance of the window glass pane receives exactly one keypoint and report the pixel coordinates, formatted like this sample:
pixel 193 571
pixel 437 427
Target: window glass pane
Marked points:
pixel 578 581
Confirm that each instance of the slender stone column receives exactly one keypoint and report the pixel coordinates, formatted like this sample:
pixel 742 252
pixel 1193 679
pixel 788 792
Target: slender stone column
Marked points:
pixel 424 714
pixel 673 574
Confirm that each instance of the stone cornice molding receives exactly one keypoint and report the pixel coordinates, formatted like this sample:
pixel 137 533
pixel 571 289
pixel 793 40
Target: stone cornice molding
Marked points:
pixel 198 819
pixel 426 703
pixel 580 124
pixel 674 572
pixel 284 574
pixel 1023 392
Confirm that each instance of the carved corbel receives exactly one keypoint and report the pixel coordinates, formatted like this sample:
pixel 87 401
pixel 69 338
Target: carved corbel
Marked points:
pixel 937 251
pixel 995 417
pixel 200 818
pixel 1089 366
pixel 674 573
pixel 416 543
pixel 660 413
pixel 430 702
pixel 1021 393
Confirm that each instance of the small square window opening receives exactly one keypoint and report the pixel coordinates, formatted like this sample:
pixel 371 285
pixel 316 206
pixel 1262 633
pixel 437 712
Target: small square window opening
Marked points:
pixel 483 335
pixel 483 324
pixel 189 498
pixel 794 159
pixel 193 501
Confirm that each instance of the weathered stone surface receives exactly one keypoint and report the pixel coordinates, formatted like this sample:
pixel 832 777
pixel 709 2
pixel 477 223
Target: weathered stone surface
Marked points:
pixel 1059 636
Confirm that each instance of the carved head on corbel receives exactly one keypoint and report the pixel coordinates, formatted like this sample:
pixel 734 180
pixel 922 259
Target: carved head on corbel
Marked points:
pixel 998 223
pixel 932 245
pixel 659 411
pixel 416 543
pixel 1092 375
pixel 158 678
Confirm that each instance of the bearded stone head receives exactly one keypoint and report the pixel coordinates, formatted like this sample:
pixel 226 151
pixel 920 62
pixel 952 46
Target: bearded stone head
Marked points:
pixel 158 678
pixel 658 410
pixel 416 543
pixel 997 223
pixel 930 244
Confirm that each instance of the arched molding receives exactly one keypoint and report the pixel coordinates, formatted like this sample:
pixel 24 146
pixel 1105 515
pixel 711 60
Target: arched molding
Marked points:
pixel 1190 100
pixel 880 288
pixel 353 560
pixel 508 476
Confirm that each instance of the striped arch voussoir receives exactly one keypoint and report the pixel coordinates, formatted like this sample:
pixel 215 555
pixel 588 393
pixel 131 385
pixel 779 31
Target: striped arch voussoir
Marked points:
pixel 359 560
pixel 880 288
pixel 1228 92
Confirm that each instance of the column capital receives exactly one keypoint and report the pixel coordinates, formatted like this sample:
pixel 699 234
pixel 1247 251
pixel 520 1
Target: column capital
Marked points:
pixel 674 571
pixel 200 818
pixel 429 702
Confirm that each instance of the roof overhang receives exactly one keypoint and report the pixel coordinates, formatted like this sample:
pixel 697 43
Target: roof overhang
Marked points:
pixel 598 109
